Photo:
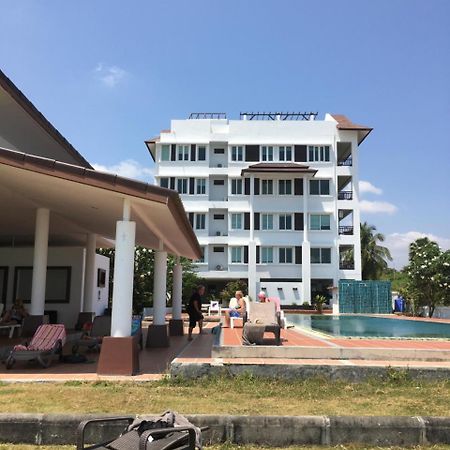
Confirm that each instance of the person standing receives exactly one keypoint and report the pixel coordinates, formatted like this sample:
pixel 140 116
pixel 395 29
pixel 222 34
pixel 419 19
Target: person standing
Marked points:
pixel 194 310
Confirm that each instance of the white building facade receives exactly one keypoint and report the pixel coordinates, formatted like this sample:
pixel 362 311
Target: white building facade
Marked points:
pixel 272 200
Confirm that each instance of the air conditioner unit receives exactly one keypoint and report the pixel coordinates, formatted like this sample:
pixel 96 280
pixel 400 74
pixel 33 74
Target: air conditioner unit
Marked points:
pixel 219 267
pixel 219 165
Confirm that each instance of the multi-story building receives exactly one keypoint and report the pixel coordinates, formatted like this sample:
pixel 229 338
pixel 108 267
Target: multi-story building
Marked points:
pixel 272 198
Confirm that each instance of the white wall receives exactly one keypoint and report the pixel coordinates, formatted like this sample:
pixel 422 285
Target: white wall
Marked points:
pixel 58 256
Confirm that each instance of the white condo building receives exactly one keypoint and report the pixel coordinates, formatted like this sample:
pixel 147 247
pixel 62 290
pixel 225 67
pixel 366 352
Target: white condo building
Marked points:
pixel 272 198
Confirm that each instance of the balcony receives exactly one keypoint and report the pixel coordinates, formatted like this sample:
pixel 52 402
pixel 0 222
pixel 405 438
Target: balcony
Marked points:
pixel 346 265
pixel 347 162
pixel 346 230
pixel 345 195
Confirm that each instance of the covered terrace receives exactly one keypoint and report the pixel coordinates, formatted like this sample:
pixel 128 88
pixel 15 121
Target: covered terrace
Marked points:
pixel 47 203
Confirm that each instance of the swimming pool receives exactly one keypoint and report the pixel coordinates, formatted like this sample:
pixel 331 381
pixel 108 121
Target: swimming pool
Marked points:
pixel 368 326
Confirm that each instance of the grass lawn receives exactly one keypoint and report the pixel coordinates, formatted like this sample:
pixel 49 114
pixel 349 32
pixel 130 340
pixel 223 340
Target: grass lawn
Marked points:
pixel 397 395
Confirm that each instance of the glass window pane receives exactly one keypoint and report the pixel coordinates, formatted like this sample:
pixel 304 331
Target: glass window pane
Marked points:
pixel 289 255
pixel 315 222
pixel 281 255
pixel 201 153
pixel 314 187
pixel 324 187
pixel 288 222
pixel 327 153
pixel 165 153
pixel 326 255
pixel 315 255
pixel 288 187
pixel 325 222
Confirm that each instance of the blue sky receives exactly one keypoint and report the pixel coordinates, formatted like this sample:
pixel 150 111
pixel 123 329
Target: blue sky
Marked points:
pixel 109 74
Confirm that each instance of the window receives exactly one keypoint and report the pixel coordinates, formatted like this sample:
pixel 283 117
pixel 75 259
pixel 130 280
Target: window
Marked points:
pixel 236 187
pixel 201 260
pixel 219 182
pixel 183 152
pixel 218 249
pixel 319 187
pixel 318 153
pixel 182 185
pixel 200 221
pixel 219 151
pixel 285 255
pixel 266 255
pixel 164 182
pixel 285 187
pixel 219 216
pixel 320 255
pixel 165 152
pixel 319 222
pixel 267 221
pixel 285 222
pixel 201 150
pixel 201 186
pixel 236 254
pixel 237 153
pixel 267 153
pixel 285 153
pixel 236 221
pixel 267 187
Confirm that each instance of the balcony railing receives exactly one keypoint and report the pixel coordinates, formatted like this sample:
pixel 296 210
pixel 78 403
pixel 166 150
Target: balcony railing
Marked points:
pixel 347 265
pixel 346 229
pixel 346 162
pixel 345 195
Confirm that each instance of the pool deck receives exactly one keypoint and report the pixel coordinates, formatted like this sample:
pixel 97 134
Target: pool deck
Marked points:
pixel 308 350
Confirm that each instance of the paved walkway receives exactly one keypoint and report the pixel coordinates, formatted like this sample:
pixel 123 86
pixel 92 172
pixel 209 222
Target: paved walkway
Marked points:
pixel 155 363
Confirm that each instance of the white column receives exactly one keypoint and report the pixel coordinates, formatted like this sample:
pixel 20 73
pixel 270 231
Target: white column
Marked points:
pixel 159 288
pixel 177 290
pixel 122 303
pixel 89 273
pixel 306 248
pixel 40 262
pixel 252 275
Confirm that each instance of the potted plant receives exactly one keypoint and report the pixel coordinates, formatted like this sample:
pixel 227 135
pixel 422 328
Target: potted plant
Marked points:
pixel 319 301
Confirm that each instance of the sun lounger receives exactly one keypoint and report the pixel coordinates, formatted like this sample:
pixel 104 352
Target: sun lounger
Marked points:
pixel 47 342
pixel 83 318
pixel 262 319
pixel 153 433
pixel 30 325
pixel 101 327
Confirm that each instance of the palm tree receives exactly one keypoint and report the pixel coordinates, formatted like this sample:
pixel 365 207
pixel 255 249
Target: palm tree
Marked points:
pixel 374 257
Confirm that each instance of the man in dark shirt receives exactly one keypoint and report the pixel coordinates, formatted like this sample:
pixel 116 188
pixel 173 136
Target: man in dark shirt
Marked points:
pixel 194 310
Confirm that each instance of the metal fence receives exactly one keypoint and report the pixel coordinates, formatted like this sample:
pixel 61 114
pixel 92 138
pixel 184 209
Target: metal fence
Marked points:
pixel 365 297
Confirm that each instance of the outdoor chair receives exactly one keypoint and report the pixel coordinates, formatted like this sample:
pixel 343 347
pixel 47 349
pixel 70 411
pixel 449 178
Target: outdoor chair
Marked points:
pixel 101 327
pixel 30 324
pixel 141 434
pixel 83 319
pixel 47 342
pixel 262 318
pixel 214 307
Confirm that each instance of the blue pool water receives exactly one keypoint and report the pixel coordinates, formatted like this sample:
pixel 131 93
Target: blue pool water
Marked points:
pixel 366 326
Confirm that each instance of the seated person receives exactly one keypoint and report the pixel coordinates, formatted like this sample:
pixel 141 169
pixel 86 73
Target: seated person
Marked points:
pixel 16 314
pixel 237 307
pixel 264 299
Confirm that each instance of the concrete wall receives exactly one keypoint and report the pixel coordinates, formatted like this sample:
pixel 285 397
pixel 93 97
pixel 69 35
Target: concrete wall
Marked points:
pixel 275 431
pixel 73 257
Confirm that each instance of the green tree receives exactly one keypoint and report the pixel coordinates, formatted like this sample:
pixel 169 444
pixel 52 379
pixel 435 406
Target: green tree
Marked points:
pixel 374 257
pixel 143 276
pixel 428 275
pixel 230 289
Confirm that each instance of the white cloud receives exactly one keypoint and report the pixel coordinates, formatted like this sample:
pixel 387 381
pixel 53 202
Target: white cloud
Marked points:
pixel 366 186
pixel 129 169
pixel 110 76
pixel 369 207
pixel 398 244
